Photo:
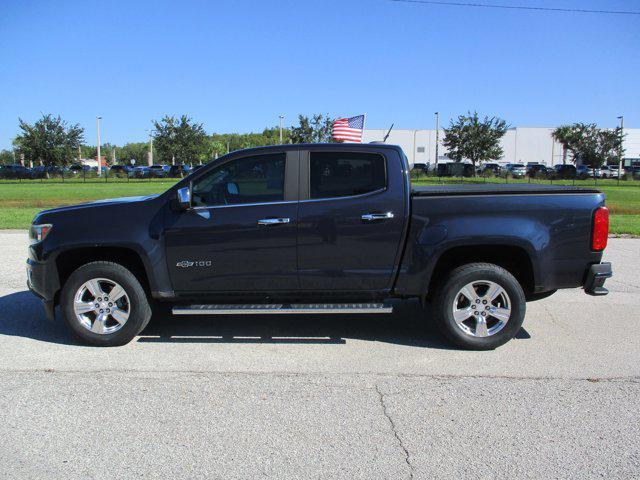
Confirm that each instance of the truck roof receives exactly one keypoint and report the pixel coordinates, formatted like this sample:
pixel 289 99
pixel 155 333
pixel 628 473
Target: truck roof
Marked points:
pixel 322 146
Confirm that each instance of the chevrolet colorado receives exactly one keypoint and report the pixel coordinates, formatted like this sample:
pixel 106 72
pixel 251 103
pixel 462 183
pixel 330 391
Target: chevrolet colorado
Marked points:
pixel 319 228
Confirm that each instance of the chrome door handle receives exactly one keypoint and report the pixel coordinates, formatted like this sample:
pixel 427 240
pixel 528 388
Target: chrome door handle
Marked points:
pixel 370 217
pixel 273 221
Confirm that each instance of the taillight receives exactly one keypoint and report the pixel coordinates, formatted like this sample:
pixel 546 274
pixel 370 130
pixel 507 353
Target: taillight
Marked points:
pixel 600 231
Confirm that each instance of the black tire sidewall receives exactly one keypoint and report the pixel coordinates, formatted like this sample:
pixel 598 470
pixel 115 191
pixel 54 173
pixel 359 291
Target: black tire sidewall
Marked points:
pixel 139 314
pixel 465 275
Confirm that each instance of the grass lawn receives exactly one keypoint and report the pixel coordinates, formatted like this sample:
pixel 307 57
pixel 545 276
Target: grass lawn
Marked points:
pixel 629 224
pixel 20 202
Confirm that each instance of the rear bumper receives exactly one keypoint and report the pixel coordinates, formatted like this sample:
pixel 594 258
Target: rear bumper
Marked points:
pixel 596 276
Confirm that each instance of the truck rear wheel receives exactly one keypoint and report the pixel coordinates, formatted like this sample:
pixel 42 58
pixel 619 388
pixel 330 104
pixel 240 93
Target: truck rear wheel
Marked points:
pixel 480 306
pixel 104 304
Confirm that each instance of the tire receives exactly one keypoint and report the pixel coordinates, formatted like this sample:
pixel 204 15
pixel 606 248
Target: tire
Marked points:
pixel 84 303
pixel 479 332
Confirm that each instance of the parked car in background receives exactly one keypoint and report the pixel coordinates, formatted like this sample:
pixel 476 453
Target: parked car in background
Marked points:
pixel 119 170
pixel 159 171
pixel 491 169
pixel 537 170
pixel 609 171
pixel 78 169
pixel 583 171
pixel 15 172
pixel 179 171
pixel 455 169
pixel 633 172
pixel 564 171
pixel 517 170
pixel 420 167
pixel 42 171
pixel 140 172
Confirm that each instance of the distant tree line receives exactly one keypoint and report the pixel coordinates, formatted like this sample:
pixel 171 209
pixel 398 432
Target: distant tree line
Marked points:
pixel 52 141
pixel 179 139
pixel 476 139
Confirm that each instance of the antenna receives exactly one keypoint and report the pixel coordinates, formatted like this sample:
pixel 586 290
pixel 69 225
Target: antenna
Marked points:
pixel 387 135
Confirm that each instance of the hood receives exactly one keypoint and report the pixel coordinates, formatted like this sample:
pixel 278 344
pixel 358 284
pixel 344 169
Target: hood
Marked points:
pixel 99 203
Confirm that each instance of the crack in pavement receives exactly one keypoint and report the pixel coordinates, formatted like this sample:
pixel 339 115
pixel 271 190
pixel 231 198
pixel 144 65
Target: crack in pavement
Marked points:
pixel 395 432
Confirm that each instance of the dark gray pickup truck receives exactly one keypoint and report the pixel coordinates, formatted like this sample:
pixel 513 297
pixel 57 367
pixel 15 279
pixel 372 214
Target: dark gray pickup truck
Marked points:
pixel 318 229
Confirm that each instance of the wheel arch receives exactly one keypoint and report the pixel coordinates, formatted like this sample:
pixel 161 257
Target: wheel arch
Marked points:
pixel 513 258
pixel 69 260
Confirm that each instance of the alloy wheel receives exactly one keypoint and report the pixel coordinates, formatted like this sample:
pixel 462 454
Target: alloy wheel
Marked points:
pixel 101 306
pixel 481 308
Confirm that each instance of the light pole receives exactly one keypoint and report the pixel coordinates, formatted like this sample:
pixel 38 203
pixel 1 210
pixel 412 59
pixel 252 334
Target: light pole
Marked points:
pixel 437 137
pixel 99 159
pixel 281 119
pixel 150 154
pixel 621 118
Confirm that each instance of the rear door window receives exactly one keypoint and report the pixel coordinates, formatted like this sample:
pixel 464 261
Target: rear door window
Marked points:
pixel 344 174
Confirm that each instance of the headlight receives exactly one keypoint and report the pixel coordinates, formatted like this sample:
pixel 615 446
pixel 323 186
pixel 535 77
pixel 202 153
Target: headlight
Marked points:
pixel 37 233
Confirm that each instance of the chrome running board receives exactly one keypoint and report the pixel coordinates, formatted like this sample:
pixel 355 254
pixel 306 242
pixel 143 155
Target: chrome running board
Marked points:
pixel 282 309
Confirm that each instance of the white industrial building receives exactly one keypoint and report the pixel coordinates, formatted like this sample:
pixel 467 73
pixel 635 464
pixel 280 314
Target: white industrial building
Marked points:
pixel 520 145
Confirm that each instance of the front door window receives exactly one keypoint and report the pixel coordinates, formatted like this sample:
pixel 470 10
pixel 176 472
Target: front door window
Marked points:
pixel 255 179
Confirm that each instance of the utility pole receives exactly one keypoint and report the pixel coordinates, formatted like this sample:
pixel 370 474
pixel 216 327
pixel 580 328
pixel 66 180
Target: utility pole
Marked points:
pixel 621 118
pixel 150 154
pixel 437 136
pixel 99 159
pixel 281 119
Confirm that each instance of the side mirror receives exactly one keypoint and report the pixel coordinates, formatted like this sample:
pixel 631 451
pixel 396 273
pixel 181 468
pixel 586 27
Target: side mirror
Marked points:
pixel 184 198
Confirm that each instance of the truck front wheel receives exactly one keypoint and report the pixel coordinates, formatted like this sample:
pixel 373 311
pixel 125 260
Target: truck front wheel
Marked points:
pixel 104 304
pixel 479 306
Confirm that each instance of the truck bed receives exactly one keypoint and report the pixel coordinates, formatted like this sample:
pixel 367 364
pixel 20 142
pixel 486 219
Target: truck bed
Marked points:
pixel 497 189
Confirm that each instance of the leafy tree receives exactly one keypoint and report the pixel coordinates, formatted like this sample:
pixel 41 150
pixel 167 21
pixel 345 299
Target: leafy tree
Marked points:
pixel 90 151
pixel 594 146
pixel 138 151
pixel 590 145
pixel 316 129
pixel 50 140
pixel 474 139
pixel 180 140
pixel 238 141
pixel 6 157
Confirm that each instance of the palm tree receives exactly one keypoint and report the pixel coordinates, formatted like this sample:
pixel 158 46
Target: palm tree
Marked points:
pixel 564 136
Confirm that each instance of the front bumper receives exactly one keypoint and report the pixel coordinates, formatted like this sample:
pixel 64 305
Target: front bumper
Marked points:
pixel 42 280
pixel 596 276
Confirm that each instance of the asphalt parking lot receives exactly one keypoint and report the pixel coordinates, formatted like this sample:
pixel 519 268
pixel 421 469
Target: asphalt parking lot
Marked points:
pixel 324 397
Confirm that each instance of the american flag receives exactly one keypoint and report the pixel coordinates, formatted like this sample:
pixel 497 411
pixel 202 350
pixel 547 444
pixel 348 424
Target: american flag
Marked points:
pixel 348 129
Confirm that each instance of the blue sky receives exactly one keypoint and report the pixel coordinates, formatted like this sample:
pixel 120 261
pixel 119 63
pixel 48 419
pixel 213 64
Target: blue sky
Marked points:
pixel 236 65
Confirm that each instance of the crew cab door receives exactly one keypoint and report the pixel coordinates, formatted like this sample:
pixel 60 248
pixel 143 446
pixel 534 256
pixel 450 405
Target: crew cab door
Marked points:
pixel 240 234
pixel 352 215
